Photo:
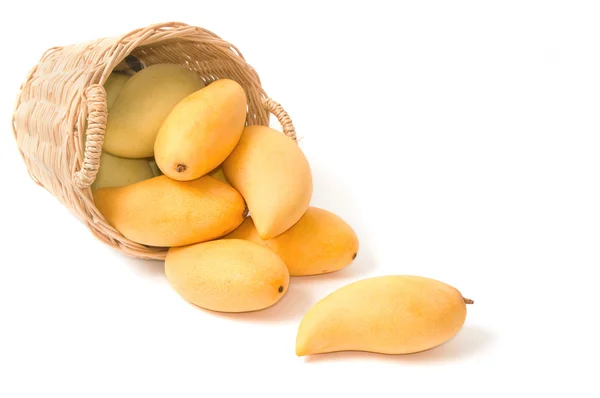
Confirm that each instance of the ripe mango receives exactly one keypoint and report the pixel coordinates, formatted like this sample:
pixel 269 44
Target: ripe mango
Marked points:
pixel 142 106
pixel 117 172
pixel 227 275
pixel 201 131
pixel 273 176
pixel 398 314
pixel 164 212
pixel 113 86
pixel 320 242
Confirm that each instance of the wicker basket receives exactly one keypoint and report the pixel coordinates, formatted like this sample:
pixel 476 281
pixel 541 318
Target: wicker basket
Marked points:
pixel 65 91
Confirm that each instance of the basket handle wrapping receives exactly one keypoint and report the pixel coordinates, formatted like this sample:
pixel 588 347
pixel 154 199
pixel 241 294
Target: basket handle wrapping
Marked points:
pixel 96 125
pixel 96 122
pixel 283 117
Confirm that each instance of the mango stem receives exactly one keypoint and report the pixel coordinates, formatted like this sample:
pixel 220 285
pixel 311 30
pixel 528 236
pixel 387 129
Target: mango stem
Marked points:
pixel 468 301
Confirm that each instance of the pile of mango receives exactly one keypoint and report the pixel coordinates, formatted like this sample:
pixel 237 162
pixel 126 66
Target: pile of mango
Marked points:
pixel 180 169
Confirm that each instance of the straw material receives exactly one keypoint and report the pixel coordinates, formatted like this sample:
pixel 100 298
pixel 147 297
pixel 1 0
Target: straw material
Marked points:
pixel 64 93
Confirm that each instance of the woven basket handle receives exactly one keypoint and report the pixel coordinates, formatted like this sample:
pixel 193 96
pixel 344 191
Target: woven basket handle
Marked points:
pixel 96 125
pixel 283 117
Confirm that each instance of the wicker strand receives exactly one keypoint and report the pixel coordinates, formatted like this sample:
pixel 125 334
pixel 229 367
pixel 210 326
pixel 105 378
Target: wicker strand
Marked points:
pixel 64 91
pixel 283 117
pixel 97 114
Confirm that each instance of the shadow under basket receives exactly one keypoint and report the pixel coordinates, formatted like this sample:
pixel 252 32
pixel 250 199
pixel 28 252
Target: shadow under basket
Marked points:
pixel 64 93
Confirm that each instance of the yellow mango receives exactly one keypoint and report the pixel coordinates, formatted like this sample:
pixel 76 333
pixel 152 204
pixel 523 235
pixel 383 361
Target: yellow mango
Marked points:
pixel 397 314
pixel 113 86
pixel 164 212
pixel 273 176
pixel 320 242
pixel 201 131
pixel 227 275
pixel 117 172
pixel 142 106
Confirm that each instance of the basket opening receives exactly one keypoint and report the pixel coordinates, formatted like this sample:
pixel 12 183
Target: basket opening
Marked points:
pixel 53 147
pixel 211 62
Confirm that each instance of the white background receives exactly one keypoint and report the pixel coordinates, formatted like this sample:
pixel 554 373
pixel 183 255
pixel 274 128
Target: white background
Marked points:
pixel 460 139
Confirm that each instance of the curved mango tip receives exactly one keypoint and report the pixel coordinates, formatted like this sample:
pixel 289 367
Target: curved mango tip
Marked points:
pixel 300 351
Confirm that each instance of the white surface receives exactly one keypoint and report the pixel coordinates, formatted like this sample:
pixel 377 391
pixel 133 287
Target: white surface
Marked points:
pixel 460 139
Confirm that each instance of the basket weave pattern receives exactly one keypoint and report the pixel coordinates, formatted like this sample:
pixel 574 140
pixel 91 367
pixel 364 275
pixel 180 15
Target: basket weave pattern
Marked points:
pixel 64 94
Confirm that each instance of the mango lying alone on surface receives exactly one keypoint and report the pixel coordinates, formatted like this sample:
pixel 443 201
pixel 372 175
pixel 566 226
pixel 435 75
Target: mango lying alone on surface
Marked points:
pixel 164 212
pixel 143 104
pixel 273 176
pixel 227 275
pixel 397 314
pixel 318 243
pixel 201 131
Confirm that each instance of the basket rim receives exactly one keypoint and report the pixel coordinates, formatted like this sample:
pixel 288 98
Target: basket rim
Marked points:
pixel 88 98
